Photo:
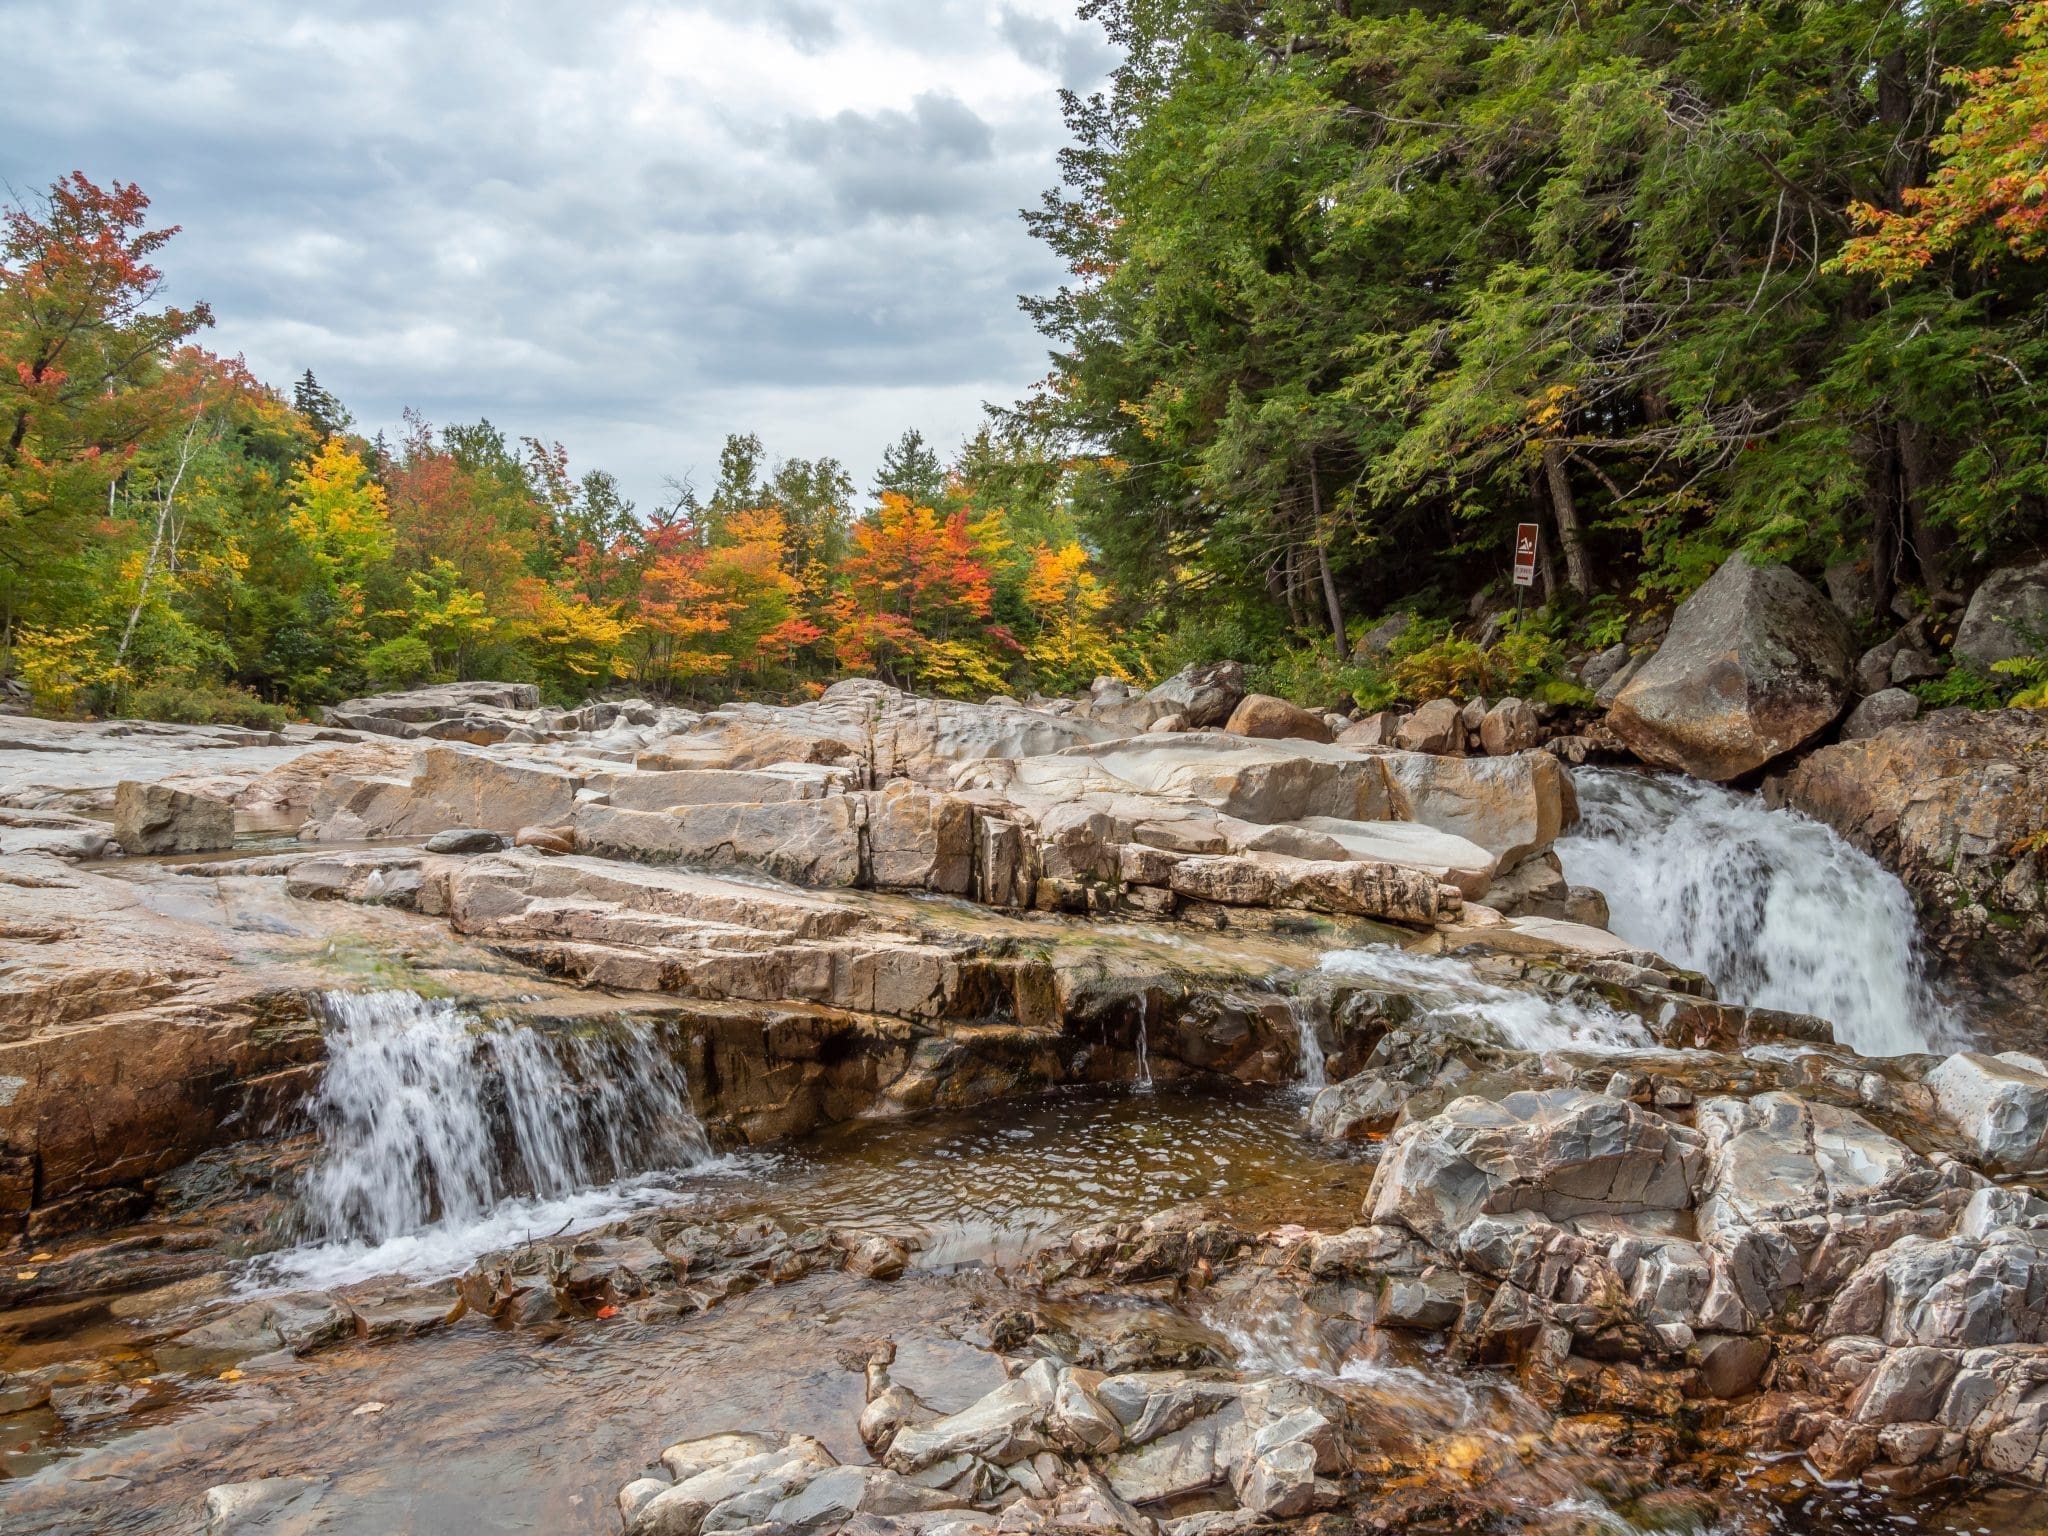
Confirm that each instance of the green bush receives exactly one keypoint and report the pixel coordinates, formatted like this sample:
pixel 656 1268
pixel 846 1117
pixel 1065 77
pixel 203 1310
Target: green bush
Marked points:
pixel 399 663
pixel 1312 678
pixel 205 703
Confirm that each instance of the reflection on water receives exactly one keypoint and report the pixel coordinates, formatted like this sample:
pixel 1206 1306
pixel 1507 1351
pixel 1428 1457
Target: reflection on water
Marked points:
pixel 987 1186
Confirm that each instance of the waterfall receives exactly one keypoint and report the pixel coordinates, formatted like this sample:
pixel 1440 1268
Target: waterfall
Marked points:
pixel 1776 908
pixel 1451 989
pixel 443 1134
pixel 1314 1069
pixel 1144 1055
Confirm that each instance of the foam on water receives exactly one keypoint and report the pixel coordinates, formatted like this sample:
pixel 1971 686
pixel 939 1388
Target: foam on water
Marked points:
pixel 1452 989
pixel 1776 908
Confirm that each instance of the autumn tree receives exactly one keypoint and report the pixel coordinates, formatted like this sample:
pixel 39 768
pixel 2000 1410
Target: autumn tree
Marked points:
pixel 83 348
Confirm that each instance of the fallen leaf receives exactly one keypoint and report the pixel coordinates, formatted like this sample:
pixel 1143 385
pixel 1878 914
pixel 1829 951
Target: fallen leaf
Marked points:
pixel 26 1274
pixel 230 1374
pixel 607 1310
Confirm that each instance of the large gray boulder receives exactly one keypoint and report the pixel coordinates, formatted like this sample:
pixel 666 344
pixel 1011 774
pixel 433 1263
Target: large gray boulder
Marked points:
pixel 1757 664
pixel 1201 695
pixel 2007 616
pixel 152 818
pixel 1559 1152
pixel 1999 1103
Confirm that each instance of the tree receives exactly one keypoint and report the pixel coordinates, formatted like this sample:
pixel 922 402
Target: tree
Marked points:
pixel 911 470
pixel 326 415
pixel 83 349
pixel 340 513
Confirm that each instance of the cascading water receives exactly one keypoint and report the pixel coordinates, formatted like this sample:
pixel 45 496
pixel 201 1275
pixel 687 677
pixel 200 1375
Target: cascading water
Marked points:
pixel 443 1134
pixel 1452 990
pixel 1313 1069
pixel 1776 908
pixel 1144 1084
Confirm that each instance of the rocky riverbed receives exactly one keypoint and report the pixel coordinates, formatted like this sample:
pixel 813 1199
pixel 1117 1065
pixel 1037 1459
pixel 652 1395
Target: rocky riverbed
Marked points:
pixel 884 1114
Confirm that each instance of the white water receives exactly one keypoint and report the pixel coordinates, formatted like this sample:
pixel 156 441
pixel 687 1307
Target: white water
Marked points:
pixel 1776 908
pixel 1144 1083
pixel 1314 1073
pixel 444 1136
pixel 1451 989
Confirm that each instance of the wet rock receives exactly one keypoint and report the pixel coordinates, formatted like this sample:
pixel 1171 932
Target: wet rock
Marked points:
pixel 1757 664
pixel 465 840
pixel 1798 1194
pixel 1265 717
pixel 876 1257
pixel 1953 1292
pixel 149 818
pixel 299 1323
pixel 1009 1424
pixel 1561 1152
pixel 1437 727
pixel 733 1494
pixel 1880 712
pixel 1908 1384
pixel 1999 1103
pixel 270 1506
pixel 2006 616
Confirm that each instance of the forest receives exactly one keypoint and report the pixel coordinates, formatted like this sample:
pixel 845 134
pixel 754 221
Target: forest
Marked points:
pixel 1354 290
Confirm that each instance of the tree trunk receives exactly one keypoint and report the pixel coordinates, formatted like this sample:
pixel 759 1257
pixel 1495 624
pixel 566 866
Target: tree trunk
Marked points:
pixel 1929 547
pixel 1578 568
pixel 1884 529
pixel 1336 606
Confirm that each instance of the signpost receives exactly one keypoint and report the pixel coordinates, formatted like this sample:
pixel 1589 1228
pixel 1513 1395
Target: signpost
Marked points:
pixel 1526 535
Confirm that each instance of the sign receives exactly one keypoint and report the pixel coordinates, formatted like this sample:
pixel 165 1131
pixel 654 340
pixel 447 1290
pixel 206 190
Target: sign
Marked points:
pixel 1525 555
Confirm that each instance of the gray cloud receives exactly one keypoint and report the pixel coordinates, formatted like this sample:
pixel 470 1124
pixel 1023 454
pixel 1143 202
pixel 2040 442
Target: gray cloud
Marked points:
pixel 1077 55
pixel 635 232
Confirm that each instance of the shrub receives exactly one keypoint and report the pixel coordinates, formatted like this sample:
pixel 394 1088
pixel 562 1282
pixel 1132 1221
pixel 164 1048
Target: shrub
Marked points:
pixel 399 663
pixel 1963 685
pixel 205 703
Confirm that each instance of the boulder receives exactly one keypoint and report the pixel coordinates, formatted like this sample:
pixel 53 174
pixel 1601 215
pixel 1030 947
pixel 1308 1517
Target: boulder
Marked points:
pixel 1950 1292
pixel 1559 1152
pixel 454 787
pixel 1267 718
pixel 2007 616
pixel 1999 1103
pixel 1955 803
pixel 1601 666
pixel 1374 731
pixel 1509 727
pixel 1880 712
pixel 1202 696
pixel 1796 1194
pixel 1438 726
pixel 1757 664
pixel 808 842
pixel 1510 806
pixel 149 818
pixel 466 840
pixel 1445 856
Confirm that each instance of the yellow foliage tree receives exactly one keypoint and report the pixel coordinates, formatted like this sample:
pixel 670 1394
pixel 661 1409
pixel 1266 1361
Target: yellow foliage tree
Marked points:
pixel 1070 647
pixel 339 511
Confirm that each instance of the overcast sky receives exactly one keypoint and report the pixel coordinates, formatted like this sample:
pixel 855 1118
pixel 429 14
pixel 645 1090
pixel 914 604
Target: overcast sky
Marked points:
pixel 632 228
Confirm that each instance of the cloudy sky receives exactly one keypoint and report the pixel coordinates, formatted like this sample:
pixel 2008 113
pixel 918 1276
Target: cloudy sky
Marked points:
pixel 632 228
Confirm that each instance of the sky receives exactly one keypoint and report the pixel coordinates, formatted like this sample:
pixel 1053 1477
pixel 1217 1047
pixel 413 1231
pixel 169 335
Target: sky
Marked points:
pixel 629 228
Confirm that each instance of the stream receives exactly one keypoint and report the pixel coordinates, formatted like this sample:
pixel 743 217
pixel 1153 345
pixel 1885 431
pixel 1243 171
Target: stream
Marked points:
pixel 442 1134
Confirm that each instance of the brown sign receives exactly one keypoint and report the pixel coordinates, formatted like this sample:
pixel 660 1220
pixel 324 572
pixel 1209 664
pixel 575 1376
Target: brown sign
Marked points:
pixel 1525 555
